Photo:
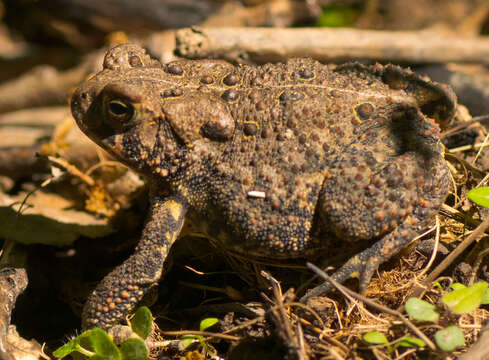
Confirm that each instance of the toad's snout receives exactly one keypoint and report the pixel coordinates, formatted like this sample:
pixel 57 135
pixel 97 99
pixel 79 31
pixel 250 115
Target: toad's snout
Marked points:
pixel 81 103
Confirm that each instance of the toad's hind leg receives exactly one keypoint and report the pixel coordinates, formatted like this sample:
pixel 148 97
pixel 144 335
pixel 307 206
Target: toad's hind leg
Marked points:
pixel 386 204
pixel 119 292
pixel 364 264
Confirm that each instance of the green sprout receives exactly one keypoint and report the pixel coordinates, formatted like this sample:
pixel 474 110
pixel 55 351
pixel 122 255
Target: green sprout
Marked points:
pixel 186 340
pixel 96 344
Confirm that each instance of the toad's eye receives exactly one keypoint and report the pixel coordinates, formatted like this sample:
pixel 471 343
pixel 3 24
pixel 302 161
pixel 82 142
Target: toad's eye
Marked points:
pixel 120 110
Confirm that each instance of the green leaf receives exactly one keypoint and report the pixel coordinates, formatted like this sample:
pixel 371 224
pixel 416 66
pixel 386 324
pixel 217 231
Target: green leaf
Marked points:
pixel 449 338
pixel 409 341
pixel 337 16
pixel 467 299
pixel 457 286
pixel 375 337
pixel 84 339
pixel 485 298
pixel 142 322
pixel 134 349
pixel 421 310
pixel 66 349
pixel 480 196
pixel 186 340
pixel 207 323
pixel 103 345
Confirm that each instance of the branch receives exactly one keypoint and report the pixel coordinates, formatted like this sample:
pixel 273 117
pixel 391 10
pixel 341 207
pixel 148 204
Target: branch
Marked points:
pixel 260 45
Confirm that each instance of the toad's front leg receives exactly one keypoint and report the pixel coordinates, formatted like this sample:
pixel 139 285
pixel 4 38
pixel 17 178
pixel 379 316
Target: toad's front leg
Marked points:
pixel 119 292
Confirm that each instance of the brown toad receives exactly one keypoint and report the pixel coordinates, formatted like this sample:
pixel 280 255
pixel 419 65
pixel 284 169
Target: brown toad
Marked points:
pixel 278 160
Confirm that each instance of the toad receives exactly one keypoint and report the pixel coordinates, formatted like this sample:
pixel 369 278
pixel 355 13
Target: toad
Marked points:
pixel 279 160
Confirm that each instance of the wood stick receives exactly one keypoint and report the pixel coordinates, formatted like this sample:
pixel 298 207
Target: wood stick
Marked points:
pixel 261 45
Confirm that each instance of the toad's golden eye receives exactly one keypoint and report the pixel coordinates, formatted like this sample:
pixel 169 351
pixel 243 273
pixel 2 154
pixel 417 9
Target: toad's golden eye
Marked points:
pixel 119 114
pixel 120 110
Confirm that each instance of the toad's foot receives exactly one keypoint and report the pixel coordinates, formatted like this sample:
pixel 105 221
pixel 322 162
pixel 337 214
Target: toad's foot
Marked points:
pixel 366 263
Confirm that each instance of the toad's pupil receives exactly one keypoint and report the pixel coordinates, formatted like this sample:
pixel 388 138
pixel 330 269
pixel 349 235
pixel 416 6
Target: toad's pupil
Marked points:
pixel 118 108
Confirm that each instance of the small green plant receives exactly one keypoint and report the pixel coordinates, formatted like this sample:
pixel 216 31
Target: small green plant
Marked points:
pixel 96 344
pixel 480 196
pixel 449 338
pixel 421 310
pixel 461 300
pixel 186 340
pixel 377 338
pixel 464 299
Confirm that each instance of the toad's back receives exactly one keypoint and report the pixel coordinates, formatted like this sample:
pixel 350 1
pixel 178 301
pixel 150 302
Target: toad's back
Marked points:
pixel 259 141
pixel 286 126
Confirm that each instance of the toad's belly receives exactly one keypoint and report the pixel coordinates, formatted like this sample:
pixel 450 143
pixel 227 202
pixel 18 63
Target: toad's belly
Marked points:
pixel 282 242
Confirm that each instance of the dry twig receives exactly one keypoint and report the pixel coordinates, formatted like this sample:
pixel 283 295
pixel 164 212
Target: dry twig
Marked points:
pixel 260 45
pixel 373 304
pixel 294 339
pixel 479 231
pixel 201 333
